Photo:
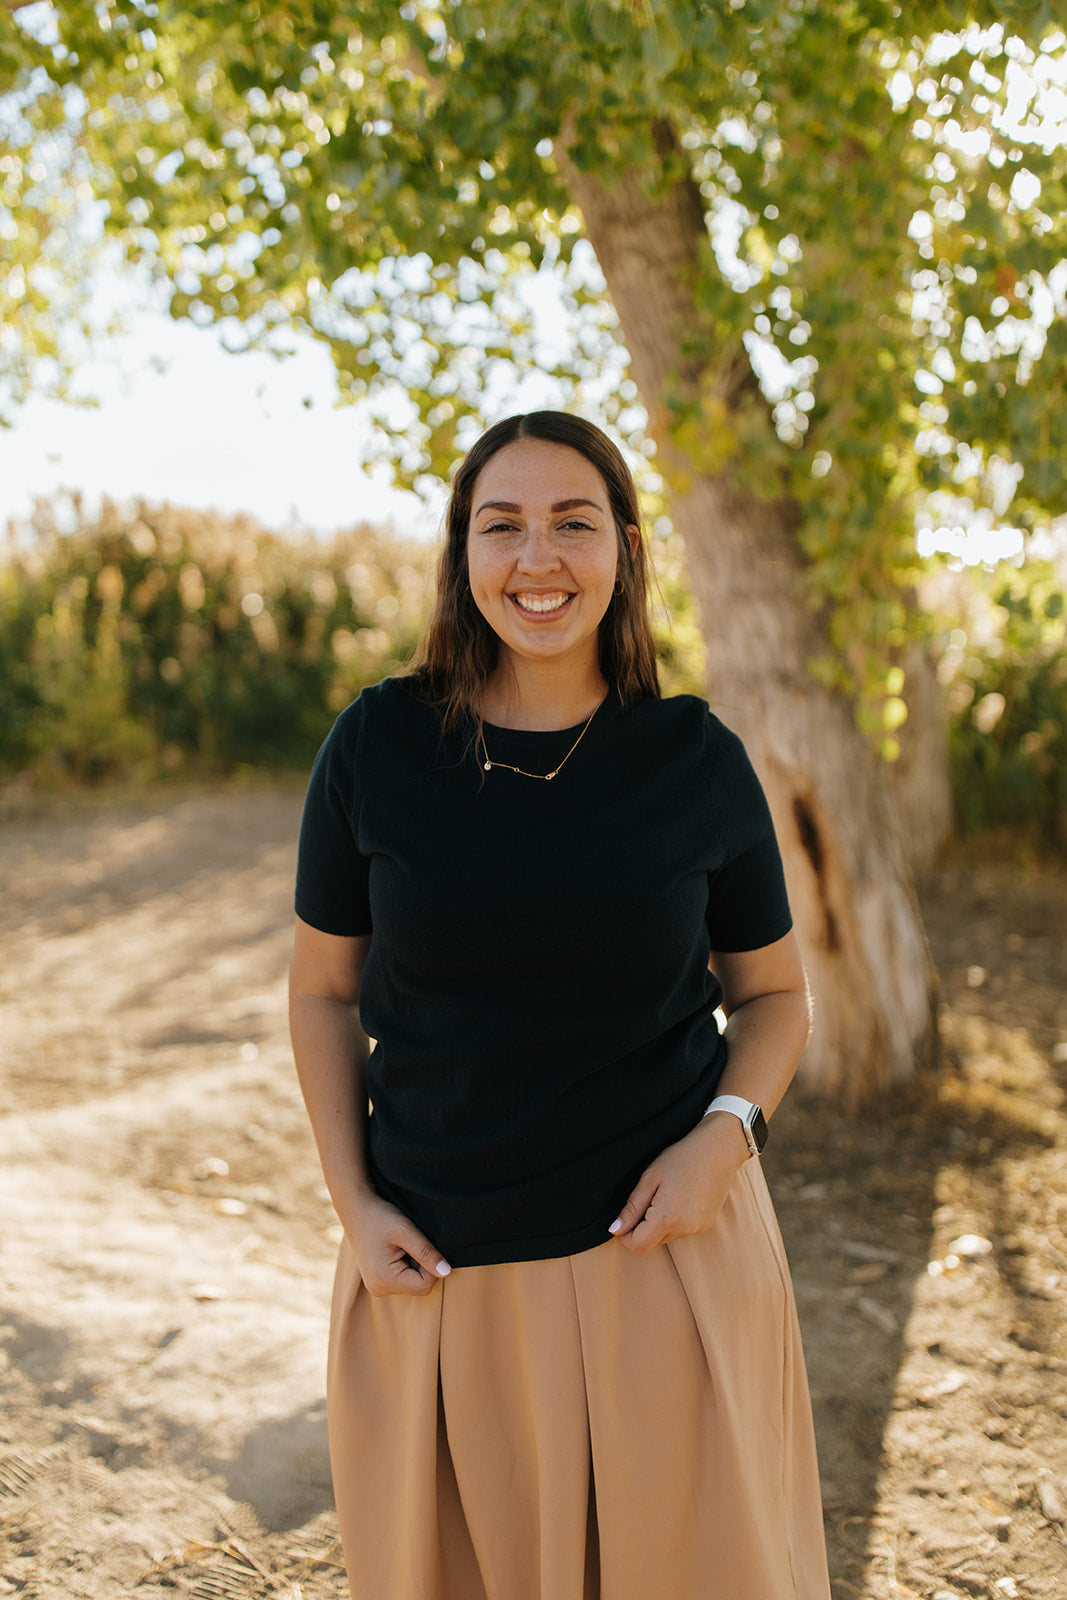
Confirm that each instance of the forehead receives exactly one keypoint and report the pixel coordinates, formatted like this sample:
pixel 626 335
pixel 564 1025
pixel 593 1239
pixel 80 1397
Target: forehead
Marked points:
pixel 535 471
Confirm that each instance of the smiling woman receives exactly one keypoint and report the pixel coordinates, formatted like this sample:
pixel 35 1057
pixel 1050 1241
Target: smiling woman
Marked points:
pixel 543 522
pixel 543 563
pixel 564 1358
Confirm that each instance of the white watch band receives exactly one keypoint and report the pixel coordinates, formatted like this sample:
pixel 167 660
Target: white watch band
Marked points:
pixel 743 1109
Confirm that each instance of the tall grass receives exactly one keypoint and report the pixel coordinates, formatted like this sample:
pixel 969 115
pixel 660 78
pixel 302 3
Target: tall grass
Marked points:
pixel 152 640
pixel 1004 670
pixel 155 639
pixel 159 638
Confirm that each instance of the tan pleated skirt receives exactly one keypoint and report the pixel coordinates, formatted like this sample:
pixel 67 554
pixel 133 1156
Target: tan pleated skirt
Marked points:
pixel 597 1427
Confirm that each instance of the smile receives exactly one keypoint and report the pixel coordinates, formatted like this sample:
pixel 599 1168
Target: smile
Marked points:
pixel 540 603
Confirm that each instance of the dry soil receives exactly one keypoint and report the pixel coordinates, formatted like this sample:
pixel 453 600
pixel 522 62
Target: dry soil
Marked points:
pixel 166 1244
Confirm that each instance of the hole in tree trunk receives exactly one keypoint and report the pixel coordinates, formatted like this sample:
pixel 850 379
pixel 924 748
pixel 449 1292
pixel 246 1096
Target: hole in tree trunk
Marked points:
pixel 811 839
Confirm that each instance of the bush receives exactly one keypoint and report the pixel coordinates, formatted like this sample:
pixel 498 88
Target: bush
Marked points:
pixel 149 641
pixel 157 639
pixel 1004 669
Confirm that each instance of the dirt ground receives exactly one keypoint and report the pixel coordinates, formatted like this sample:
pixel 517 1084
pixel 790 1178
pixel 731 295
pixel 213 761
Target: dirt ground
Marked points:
pixel 166 1244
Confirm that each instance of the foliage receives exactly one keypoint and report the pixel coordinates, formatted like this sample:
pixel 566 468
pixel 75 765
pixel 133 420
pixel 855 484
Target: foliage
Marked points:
pixel 884 191
pixel 149 640
pixel 675 622
pixel 1004 667
pixel 154 639
pixel 49 237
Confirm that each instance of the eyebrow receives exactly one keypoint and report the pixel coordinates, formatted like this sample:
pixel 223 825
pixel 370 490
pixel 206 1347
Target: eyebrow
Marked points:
pixel 558 505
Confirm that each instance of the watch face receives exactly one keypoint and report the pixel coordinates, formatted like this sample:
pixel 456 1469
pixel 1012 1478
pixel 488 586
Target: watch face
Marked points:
pixel 758 1128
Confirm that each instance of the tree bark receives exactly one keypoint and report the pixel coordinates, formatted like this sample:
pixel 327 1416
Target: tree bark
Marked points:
pixel 867 958
pixel 919 780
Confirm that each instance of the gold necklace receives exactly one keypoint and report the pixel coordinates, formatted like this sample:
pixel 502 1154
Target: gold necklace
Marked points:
pixel 543 777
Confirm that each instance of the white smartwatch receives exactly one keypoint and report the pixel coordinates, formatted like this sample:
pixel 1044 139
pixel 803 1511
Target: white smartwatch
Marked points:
pixel 752 1119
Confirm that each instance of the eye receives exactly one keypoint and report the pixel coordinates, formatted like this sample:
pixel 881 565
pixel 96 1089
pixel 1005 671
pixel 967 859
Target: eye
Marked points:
pixel 499 526
pixel 577 525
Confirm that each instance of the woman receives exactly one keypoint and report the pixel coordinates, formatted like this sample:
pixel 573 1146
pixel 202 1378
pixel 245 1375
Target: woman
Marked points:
pixel 564 1362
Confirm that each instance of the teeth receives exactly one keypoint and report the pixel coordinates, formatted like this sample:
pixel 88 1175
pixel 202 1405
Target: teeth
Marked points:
pixel 533 603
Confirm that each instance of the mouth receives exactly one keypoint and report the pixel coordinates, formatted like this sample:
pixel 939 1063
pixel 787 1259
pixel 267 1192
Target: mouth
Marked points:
pixel 540 605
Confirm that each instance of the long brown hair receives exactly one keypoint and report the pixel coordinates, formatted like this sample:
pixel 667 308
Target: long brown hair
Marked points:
pixel 459 651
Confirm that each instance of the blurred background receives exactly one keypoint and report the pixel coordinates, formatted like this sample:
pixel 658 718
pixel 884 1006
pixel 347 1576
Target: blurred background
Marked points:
pixel 266 270
pixel 195 527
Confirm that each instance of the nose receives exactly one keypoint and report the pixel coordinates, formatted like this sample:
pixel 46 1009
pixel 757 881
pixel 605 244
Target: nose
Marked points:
pixel 539 551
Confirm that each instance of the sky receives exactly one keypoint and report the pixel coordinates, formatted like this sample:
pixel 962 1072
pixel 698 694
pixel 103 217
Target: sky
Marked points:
pixel 180 419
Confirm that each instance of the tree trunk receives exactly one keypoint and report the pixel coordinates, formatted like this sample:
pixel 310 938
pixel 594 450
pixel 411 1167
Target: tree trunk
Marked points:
pixel 863 942
pixel 919 780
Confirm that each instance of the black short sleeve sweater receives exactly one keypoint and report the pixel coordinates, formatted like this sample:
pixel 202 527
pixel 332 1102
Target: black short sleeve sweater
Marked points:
pixel 538 980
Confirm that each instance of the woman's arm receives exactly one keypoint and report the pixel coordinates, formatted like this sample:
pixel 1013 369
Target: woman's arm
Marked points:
pixel 331 1052
pixel 768 1020
pixel 768 1011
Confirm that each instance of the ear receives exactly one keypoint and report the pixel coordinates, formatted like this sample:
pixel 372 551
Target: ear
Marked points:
pixel 633 535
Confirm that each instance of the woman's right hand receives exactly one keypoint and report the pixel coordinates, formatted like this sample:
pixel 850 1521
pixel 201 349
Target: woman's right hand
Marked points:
pixel 392 1255
pixel 331 1051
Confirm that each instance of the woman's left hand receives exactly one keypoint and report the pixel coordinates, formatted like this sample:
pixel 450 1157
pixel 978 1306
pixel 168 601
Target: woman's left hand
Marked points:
pixel 682 1191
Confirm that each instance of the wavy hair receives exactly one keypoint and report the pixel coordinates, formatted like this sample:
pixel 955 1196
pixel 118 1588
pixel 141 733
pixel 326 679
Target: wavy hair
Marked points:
pixel 459 651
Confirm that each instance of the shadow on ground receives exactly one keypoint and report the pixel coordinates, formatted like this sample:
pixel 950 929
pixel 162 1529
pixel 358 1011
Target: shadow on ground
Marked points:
pixel 282 1470
pixel 939 1395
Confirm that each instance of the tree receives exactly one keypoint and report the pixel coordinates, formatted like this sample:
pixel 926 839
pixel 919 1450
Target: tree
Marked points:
pixel 828 232
pixel 48 238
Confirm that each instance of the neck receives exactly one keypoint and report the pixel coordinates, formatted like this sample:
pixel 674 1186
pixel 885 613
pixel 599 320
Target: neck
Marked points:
pixel 540 700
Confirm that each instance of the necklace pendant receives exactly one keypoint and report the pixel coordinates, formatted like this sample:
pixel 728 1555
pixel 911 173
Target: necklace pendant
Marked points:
pixel 546 777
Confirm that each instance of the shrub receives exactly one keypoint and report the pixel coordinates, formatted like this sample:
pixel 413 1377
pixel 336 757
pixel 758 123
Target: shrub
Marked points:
pixel 1004 669
pixel 159 638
